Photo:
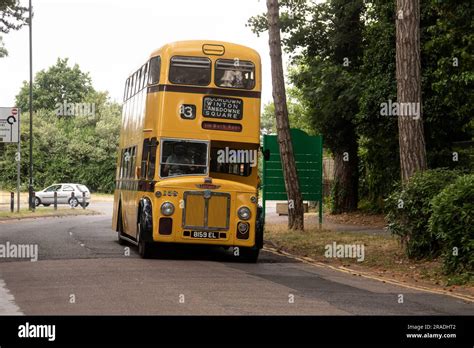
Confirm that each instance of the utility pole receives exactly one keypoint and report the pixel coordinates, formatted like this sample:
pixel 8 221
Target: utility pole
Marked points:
pixel 30 187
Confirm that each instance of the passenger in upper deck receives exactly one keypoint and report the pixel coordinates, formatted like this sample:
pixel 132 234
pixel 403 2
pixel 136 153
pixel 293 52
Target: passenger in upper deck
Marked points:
pixel 232 78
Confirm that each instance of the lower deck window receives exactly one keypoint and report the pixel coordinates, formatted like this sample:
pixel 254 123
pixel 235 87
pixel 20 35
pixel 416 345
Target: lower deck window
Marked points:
pixel 238 163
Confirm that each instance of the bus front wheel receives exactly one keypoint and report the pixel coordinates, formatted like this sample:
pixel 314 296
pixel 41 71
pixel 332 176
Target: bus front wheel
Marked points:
pixel 145 248
pixel 249 255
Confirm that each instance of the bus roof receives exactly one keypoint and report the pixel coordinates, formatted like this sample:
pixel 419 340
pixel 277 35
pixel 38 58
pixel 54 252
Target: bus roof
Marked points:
pixel 196 47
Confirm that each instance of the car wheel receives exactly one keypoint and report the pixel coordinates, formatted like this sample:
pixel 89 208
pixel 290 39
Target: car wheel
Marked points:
pixel 37 201
pixel 73 202
pixel 46 205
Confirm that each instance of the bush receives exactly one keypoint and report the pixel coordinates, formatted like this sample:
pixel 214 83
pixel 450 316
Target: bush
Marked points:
pixel 452 222
pixel 409 210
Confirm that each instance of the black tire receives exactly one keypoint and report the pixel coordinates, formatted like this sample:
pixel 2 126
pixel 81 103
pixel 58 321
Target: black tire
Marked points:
pixel 46 205
pixel 37 202
pixel 120 240
pixel 146 246
pixel 87 204
pixel 259 228
pixel 248 255
pixel 73 202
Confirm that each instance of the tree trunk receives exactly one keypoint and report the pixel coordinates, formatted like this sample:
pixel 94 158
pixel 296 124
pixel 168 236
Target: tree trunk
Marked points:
pixel 290 175
pixel 410 127
pixel 346 180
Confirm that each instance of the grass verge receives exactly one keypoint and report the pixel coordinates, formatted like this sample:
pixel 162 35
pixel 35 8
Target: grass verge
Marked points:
pixel 45 212
pixel 383 256
pixel 102 197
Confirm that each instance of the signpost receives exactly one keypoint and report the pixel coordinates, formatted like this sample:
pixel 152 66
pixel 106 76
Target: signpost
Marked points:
pixel 10 133
pixel 308 151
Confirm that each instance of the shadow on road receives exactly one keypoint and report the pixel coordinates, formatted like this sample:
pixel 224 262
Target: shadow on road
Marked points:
pixel 206 253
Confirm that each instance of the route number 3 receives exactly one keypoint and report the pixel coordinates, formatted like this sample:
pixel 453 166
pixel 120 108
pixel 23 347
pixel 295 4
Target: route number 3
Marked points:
pixel 187 111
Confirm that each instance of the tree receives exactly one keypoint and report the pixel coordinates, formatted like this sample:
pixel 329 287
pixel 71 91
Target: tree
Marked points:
pixel 12 17
pixel 290 175
pixel 58 84
pixel 328 77
pixel 79 147
pixel 379 163
pixel 297 114
pixel 3 50
pixel 325 43
pixel 447 83
pixel 410 127
pixel 346 37
pixel 332 93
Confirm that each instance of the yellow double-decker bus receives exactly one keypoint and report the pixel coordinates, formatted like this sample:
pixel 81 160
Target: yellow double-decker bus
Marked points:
pixel 187 170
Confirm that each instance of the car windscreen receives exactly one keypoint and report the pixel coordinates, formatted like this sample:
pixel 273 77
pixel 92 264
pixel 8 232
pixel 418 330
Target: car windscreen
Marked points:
pixel 52 188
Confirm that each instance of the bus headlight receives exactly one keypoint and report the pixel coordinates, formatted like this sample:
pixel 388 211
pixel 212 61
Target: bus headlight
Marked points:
pixel 244 213
pixel 167 208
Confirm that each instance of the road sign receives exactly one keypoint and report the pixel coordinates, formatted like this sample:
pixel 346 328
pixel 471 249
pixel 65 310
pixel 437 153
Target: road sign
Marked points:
pixel 9 125
pixel 308 152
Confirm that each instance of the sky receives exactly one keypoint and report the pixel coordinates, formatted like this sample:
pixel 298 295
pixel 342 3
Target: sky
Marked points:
pixel 111 38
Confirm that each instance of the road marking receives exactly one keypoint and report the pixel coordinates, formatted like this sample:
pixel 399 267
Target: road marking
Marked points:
pixel 7 301
pixel 313 262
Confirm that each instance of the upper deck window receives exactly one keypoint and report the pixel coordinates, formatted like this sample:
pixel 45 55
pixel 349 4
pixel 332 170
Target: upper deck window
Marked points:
pixel 235 73
pixel 155 66
pixel 190 71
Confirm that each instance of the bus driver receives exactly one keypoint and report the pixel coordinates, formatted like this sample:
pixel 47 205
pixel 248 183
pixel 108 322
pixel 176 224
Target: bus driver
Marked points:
pixel 178 163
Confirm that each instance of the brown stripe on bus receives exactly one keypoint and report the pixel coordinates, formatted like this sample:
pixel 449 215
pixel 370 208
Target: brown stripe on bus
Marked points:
pixel 204 90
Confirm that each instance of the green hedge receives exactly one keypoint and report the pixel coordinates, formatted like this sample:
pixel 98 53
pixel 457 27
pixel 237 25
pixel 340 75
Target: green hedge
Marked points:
pixel 452 222
pixel 409 210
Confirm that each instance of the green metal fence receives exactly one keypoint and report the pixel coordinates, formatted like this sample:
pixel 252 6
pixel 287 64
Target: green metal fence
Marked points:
pixel 308 152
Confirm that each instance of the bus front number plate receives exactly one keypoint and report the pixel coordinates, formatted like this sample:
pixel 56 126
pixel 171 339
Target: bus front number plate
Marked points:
pixel 204 235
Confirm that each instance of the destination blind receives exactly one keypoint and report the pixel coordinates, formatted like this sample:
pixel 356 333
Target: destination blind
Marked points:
pixel 225 108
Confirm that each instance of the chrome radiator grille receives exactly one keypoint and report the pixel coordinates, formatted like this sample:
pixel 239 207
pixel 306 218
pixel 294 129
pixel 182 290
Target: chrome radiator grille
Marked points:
pixel 206 210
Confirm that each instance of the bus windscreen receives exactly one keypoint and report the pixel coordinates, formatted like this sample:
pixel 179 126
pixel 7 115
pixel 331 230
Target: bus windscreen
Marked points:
pixel 183 158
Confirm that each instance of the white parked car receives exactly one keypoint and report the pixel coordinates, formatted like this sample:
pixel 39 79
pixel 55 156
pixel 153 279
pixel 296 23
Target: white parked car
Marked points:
pixel 64 195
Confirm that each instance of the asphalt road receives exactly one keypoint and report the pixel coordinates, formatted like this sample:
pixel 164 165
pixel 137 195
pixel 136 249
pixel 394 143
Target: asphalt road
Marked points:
pixel 81 269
